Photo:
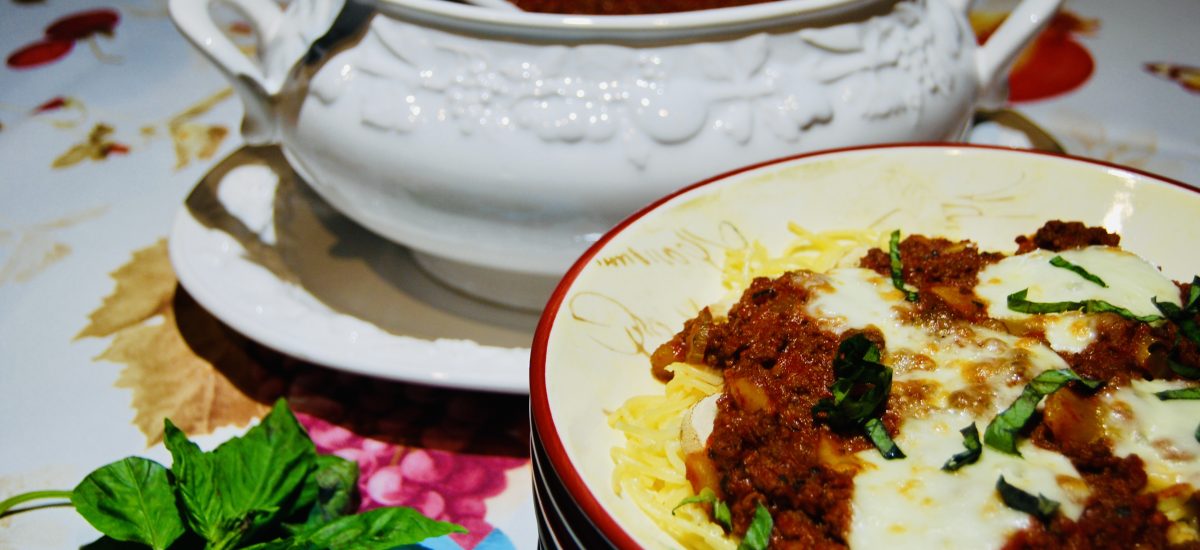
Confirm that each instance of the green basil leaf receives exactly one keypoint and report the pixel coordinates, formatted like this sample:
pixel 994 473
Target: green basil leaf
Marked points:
pixel 758 535
pixel 722 514
pixel 1197 433
pixel 720 510
pixel 973 449
pixel 1001 433
pixel 1181 393
pixel 1037 506
pixel 860 390
pixel 879 436
pixel 706 496
pixel 1183 370
pixel 378 529
pixel 1059 261
pixel 131 500
pixel 1017 302
pixel 193 471
pixel 898 267
pixel 331 491
pixel 247 482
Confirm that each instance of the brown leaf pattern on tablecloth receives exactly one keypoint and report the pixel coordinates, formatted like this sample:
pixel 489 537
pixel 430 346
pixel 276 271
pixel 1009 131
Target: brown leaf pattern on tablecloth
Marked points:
pixel 33 249
pixel 144 289
pixel 168 379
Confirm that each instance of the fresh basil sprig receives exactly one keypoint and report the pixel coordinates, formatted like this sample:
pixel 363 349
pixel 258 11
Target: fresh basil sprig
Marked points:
pixel 1059 261
pixel 1017 302
pixel 265 490
pixel 720 510
pixel 898 267
pixel 973 449
pixel 1037 506
pixel 758 534
pixel 860 390
pixel 1001 432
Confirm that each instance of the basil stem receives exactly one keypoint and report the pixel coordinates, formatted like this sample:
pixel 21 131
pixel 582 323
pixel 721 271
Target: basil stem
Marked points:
pixel 1059 261
pixel 859 391
pixel 1001 432
pixel 19 499
pixel 1179 394
pixel 898 267
pixel 758 535
pixel 973 449
pixel 1021 501
pixel 1017 302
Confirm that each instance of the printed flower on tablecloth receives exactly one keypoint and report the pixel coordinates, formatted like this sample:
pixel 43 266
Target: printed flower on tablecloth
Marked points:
pixel 1054 63
pixel 442 485
pixel 60 37
pixel 190 138
pixel 1186 76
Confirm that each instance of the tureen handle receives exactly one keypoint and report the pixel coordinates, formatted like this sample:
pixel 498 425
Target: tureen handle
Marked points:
pixel 994 58
pixel 284 36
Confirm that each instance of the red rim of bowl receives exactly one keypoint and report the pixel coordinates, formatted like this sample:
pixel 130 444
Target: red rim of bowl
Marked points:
pixel 539 403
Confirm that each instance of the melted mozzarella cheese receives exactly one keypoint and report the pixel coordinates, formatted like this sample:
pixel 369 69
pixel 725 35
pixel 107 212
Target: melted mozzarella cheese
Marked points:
pixel 1132 283
pixel 1161 432
pixel 854 298
pixel 912 503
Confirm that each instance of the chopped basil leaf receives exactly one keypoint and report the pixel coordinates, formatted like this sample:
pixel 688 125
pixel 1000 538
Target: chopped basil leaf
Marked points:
pixel 1021 501
pixel 879 436
pixel 722 514
pixel 1017 302
pixel 758 535
pixel 1001 433
pixel 1184 317
pixel 720 510
pixel 1059 261
pixel 859 390
pixel 706 496
pixel 1197 433
pixel 1184 370
pixel 1181 393
pixel 898 267
pixel 971 454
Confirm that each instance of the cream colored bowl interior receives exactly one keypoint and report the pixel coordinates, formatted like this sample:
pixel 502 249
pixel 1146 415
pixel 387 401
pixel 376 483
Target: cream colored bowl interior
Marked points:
pixel 635 290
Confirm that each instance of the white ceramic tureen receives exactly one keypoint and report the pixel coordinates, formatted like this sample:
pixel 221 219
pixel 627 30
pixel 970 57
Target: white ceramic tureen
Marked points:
pixel 498 144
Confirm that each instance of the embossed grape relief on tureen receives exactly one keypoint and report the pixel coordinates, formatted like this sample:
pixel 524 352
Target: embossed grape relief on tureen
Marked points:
pixel 879 68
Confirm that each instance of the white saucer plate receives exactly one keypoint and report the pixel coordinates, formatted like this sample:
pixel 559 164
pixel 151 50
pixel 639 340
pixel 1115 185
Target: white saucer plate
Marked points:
pixel 267 257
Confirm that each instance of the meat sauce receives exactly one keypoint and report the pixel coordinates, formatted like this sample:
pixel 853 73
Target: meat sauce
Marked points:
pixel 768 449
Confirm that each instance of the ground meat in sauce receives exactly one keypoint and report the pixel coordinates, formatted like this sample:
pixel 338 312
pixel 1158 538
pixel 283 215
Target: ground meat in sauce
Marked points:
pixel 945 272
pixel 770 345
pixel 777 364
pixel 1060 235
pixel 626 7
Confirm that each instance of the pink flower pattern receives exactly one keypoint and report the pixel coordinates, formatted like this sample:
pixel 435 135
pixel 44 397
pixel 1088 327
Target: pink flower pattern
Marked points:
pixel 442 485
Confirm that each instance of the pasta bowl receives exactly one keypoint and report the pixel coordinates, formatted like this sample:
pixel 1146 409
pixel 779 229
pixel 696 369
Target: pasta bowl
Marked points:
pixel 633 289
pixel 499 144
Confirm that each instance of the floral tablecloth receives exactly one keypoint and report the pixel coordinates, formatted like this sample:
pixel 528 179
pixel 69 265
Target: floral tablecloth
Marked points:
pixel 108 120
